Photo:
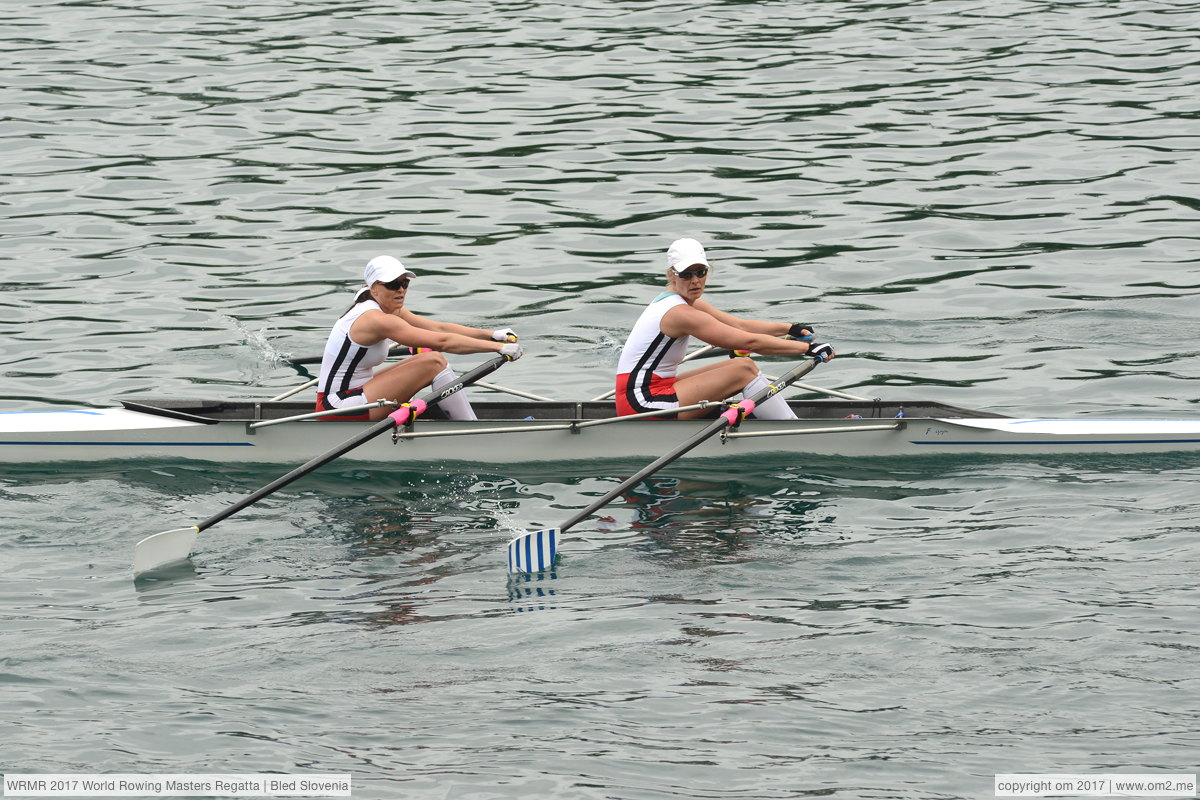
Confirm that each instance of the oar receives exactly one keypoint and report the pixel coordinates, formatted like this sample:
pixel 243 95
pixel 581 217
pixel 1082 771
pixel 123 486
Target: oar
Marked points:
pixel 291 392
pixel 515 392
pixel 535 551
pixel 397 350
pixel 175 545
pixel 393 351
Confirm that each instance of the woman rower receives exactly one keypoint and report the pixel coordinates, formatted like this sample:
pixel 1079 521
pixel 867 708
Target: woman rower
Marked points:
pixel 647 378
pixel 361 337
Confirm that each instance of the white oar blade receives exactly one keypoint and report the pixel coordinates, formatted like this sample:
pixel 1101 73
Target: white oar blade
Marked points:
pixel 533 552
pixel 169 547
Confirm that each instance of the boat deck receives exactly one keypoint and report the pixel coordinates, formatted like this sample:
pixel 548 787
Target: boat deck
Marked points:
pixel 217 411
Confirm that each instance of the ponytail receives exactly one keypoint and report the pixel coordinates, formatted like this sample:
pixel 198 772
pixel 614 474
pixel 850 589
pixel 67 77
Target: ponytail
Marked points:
pixel 363 294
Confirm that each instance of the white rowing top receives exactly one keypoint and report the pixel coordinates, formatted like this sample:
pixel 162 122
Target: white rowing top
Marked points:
pixel 648 349
pixel 347 364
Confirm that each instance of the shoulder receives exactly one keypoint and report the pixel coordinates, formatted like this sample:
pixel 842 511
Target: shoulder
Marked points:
pixel 372 322
pixel 698 310
pixel 364 319
pixel 365 309
pixel 681 319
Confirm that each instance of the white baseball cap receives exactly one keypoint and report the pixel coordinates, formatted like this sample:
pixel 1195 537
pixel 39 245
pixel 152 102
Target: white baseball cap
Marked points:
pixel 385 269
pixel 683 253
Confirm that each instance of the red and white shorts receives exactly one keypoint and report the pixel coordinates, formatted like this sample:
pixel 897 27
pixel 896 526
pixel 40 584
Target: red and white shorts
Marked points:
pixel 347 399
pixel 656 394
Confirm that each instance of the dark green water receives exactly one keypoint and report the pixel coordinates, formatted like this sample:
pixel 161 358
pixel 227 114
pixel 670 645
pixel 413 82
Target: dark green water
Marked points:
pixel 988 204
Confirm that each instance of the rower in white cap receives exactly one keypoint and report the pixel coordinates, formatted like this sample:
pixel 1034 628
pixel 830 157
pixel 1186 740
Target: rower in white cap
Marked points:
pixel 362 336
pixel 647 373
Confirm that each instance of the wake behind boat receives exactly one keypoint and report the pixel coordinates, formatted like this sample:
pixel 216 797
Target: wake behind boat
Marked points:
pixel 518 431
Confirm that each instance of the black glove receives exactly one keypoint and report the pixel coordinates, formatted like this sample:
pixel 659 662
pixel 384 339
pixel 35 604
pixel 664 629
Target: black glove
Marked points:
pixel 821 352
pixel 802 331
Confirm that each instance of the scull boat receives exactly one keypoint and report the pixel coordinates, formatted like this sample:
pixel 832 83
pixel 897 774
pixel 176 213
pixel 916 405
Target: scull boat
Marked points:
pixel 519 431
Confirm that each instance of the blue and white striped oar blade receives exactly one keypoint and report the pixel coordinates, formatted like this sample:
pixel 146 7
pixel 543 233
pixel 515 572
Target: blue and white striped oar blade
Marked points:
pixel 533 552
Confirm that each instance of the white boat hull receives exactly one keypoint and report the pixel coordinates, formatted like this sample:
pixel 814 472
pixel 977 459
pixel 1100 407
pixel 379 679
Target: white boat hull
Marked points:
pixel 82 435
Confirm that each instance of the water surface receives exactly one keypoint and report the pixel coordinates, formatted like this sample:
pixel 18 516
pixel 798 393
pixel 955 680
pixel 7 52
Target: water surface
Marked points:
pixel 992 205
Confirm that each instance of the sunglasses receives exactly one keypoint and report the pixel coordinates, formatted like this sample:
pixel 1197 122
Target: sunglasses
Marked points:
pixel 399 283
pixel 694 272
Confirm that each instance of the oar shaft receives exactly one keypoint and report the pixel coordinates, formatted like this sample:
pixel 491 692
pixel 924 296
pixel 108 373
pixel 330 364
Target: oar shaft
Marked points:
pixel 830 392
pixel 727 418
pixel 396 350
pixel 291 392
pixel 392 421
pixel 647 471
pixel 515 392
pixel 299 472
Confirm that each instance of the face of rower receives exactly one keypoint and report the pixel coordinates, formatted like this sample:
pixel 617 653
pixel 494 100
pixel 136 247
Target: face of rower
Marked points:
pixel 689 282
pixel 390 296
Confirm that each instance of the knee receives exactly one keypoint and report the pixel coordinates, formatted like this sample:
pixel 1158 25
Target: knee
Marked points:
pixel 431 360
pixel 746 368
